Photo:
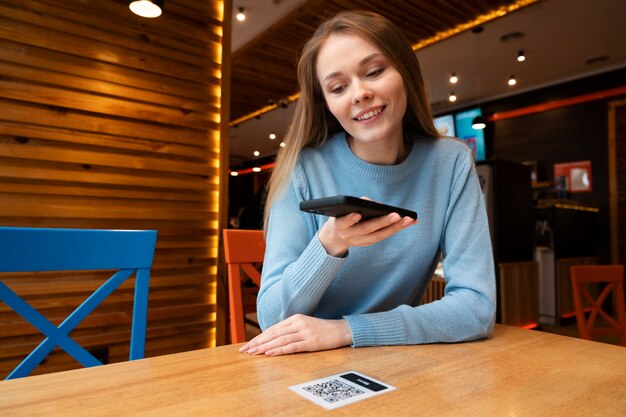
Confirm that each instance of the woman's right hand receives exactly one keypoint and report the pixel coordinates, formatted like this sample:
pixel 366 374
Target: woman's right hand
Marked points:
pixel 341 233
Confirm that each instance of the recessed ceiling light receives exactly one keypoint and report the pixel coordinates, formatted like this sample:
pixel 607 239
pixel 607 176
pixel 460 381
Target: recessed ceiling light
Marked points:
pixel 521 57
pixel 512 81
pixel 452 97
pixel 282 144
pixel 257 153
pixel 256 169
pixel 453 78
pixel 272 136
pixel 241 15
pixel 146 8
pixel 234 173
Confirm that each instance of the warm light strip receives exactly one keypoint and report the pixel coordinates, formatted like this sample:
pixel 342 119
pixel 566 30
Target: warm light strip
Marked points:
pixel 551 105
pixel 249 116
pixel 250 170
pixel 263 110
pixel 504 10
pixel 575 207
pixel 422 44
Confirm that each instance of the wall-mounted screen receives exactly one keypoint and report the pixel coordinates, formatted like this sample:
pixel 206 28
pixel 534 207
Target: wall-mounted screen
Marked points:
pixel 475 139
pixel 445 125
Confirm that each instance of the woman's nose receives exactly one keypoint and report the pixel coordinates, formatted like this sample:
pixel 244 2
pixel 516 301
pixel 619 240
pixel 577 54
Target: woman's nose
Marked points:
pixel 361 92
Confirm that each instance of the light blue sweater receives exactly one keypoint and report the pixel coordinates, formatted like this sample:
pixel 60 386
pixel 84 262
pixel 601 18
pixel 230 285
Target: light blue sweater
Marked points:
pixel 377 288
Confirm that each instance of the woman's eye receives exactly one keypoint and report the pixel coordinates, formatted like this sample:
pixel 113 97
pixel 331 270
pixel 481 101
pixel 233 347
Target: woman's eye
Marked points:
pixel 337 90
pixel 375 72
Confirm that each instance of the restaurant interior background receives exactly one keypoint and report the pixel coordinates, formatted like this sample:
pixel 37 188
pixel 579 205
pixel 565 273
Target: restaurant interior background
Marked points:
pixel 115 121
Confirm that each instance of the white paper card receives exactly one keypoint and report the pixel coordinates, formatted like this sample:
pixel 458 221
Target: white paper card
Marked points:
pixel 338 390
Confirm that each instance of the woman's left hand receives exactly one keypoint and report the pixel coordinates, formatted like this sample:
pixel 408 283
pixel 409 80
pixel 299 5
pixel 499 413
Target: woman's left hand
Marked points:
pixel 300 333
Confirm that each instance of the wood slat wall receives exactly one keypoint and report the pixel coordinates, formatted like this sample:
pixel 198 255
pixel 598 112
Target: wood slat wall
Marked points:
pixel 435 290
pixel 518 298
pixel 110 120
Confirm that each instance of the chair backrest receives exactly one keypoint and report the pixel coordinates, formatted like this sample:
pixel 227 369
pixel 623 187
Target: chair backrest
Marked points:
pixel 244 251
pixel 127 252
pixel 613 278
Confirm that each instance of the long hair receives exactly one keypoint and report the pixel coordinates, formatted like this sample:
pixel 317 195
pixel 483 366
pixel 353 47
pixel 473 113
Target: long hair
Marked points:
pixel 312 122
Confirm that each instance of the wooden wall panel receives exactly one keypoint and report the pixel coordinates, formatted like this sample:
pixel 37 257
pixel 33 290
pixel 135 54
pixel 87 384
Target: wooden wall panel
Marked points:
pixel 435 290
pixel 518 298
pixel 110 120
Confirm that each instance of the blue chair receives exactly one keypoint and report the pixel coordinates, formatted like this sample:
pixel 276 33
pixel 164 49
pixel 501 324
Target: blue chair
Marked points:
pixel 25 249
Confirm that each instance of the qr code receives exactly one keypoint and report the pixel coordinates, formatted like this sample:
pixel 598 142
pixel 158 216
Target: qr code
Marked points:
pixel 333 390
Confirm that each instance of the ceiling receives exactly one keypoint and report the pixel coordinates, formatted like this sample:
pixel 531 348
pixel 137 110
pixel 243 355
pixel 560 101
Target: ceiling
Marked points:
pixel 559 38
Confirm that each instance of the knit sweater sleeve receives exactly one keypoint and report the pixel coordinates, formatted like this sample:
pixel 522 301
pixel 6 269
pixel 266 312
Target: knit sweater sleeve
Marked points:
pixel 467 310
pixel 296 269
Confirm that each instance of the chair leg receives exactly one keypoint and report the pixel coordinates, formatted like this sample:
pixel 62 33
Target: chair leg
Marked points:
pixel 140 315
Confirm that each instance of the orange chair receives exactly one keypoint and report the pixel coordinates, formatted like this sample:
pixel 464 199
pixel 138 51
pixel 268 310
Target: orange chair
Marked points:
pixel 244 251
pixel 613 277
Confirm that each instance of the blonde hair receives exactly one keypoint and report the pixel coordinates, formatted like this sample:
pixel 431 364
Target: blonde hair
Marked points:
pixel 312 122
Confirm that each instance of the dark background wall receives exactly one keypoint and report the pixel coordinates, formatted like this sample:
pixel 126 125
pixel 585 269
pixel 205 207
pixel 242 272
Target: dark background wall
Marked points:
pixel 566 134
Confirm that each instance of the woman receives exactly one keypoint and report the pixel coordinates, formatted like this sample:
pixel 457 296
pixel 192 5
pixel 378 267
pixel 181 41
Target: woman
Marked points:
pixel 362 126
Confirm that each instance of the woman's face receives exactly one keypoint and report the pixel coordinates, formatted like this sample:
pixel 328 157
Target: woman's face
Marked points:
pixel 364 91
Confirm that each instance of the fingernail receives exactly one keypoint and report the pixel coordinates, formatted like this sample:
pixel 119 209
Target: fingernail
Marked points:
pixel 253 350
pixel 269 353
pixel 407 221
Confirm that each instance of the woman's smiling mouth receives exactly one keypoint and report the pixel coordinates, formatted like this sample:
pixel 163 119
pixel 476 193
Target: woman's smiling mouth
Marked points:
pixel 369 114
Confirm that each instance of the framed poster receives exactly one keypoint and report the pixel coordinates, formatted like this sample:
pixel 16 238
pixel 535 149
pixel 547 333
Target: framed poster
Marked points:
pixel 573 177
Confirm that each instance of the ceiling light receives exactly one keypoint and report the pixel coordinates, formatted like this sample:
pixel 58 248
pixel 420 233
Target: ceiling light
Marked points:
pixel 452 97
pixel 257 153
pixel 256 169
pixel 454 78
pixel 272 136
pixel 512 81
pixel 234 173
pixel 520 56
pixel 241 15
pixel 282 144
pixel 146 8
pixel 479 123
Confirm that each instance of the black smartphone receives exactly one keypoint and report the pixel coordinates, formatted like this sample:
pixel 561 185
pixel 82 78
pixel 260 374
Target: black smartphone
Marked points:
pixel 340 205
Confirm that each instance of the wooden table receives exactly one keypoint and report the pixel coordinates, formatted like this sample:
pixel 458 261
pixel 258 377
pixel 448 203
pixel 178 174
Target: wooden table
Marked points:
pixel 515 373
